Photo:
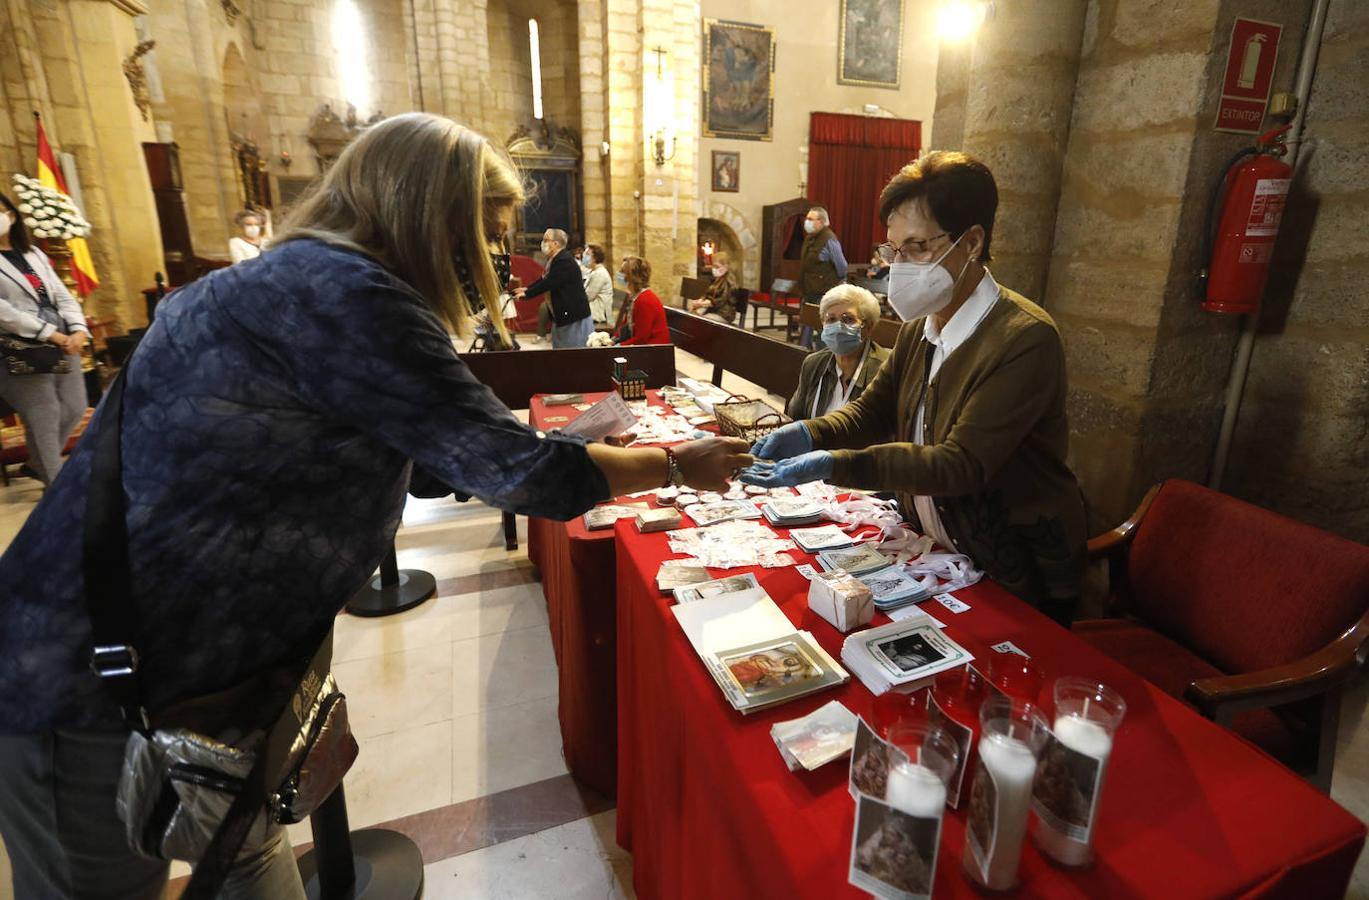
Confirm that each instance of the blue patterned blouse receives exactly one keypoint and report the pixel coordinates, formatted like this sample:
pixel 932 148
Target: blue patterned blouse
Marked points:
pixel 270 414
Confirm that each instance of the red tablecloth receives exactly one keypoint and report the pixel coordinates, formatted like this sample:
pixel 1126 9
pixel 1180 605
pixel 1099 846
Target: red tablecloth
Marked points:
pixel 577 568
pixel 708 809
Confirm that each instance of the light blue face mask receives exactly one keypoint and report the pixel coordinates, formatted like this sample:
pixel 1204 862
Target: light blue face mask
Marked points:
pixel 620 278
pixel 842 339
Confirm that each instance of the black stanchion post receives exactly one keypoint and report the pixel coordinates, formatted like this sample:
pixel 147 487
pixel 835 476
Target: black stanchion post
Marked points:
pixel 393 590
pixel 370 864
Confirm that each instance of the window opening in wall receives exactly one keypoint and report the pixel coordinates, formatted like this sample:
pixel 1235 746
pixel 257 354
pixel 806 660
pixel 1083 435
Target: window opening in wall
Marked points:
pixel 535 53
pixel 353 56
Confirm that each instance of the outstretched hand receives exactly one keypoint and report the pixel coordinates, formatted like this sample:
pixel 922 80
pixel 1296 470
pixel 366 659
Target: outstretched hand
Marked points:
pixel 801 469
pixel 710 462
pixel 784 442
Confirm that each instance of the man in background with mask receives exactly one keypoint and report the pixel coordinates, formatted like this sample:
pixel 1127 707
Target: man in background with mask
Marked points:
pixel 570 315
pixel 822 265
pixel 966 422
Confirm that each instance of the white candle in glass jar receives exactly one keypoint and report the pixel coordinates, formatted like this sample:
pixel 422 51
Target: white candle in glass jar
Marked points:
pixel 1013 767
pixel 915 790
pixel 1090 739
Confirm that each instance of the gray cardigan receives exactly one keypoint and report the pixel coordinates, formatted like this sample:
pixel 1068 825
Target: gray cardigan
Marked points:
pixel 19 301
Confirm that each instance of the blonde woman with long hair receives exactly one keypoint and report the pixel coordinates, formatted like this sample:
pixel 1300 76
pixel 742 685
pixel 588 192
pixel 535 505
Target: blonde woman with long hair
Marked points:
pixel 269 417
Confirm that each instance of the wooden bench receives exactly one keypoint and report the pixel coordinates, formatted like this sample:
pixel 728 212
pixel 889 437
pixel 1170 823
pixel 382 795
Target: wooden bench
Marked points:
pixel 886 330
pixel 774 365
pixel 515 376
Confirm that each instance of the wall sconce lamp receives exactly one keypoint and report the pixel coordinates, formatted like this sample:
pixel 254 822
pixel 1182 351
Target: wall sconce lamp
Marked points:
pixel 659 93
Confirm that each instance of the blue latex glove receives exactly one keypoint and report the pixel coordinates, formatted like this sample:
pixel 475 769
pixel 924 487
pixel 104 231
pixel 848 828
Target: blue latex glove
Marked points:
pixel 784 442
pixel 800 469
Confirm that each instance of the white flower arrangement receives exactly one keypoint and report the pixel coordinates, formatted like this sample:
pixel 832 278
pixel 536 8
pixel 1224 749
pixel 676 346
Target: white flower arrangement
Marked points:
pixel 48 213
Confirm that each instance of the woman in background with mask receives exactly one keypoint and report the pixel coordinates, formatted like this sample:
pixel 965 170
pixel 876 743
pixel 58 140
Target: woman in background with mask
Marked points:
pixel 839 373
pixel 720 300
pixel 967 421
pixel 252 240
pixel 642 318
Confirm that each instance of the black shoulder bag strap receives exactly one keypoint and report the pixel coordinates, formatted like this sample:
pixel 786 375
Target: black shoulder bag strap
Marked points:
pixel 114 624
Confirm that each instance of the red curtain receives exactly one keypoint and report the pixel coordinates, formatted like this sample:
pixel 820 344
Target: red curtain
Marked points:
pixel 850 159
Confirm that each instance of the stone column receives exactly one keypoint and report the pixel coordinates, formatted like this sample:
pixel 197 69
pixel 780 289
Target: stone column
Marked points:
pixel 594 167
pixel 1147 366
pixel 1018 91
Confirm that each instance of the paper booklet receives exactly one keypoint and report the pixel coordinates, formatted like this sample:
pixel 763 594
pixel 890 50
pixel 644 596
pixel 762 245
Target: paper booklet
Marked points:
pixel 858 560
pixel 604 516
pixel 705 514
pixel 703 590
pixel 823 735
pixel 609 416
pixel 903 655
pixel 753 651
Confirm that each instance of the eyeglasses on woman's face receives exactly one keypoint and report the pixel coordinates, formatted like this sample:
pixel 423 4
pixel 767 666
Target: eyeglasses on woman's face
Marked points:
pixel 844 316
pixel 911 250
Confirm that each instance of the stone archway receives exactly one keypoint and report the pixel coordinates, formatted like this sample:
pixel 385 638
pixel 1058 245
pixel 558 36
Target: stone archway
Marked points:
pixel 746 252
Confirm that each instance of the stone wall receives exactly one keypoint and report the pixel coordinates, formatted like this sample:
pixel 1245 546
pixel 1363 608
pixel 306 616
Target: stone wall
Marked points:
pixel 65 61
pixel 805 81
pixel 1147 366
pixel 1302 444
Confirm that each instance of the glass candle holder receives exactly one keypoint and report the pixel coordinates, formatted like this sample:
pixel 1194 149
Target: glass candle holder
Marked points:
pixel 918 786
pixel 1070 781
pixel 1017 676
pixel 953 703
pixel 1013 733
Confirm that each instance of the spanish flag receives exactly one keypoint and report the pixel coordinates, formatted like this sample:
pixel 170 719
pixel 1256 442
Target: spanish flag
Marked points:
pixel 50 175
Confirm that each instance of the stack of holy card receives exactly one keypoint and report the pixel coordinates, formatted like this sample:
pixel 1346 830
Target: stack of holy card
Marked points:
pixel 604 516
pixel 786 512
pixel 861 559
pixel 903 655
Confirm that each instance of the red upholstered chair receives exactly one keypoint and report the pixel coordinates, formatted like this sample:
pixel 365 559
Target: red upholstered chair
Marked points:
pixel 1255 619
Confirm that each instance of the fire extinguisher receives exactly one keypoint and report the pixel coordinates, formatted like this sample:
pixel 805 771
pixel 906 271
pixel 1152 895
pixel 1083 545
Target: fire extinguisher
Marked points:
pixel 1247 206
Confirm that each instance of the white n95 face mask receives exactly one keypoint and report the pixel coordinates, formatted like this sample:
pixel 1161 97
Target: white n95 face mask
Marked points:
pixel 920 289
pixel 251 230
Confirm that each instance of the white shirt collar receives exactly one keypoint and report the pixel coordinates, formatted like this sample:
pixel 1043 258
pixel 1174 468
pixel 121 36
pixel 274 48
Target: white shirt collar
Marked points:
pixel 966 319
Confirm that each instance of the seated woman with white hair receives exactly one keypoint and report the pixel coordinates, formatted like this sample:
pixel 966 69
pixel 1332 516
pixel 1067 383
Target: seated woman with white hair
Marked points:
pixel 836 375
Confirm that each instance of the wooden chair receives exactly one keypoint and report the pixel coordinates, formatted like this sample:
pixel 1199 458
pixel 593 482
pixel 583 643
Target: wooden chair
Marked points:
pixel 1253 618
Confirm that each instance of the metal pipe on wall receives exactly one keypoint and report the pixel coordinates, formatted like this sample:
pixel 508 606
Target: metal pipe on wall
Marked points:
pixel 1250 323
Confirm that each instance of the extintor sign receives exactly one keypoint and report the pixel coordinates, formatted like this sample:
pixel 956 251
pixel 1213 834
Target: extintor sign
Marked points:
pixel 1249 74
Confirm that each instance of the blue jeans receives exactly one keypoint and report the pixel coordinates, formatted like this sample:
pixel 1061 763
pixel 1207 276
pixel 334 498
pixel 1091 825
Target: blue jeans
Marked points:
pixel 65 840
pixel 576 334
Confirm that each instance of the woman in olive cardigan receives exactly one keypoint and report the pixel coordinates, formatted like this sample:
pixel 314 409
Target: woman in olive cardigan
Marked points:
pixel 966 422
pixel 840 372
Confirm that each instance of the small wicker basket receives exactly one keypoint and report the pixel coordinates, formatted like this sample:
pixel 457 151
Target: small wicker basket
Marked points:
pixel 748 419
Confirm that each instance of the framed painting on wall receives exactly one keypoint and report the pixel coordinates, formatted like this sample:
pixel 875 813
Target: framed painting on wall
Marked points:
pixel 870 49
pixel 739 96
pixel 727 170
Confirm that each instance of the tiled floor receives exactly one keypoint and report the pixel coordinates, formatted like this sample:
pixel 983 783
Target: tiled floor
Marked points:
pixel 454 705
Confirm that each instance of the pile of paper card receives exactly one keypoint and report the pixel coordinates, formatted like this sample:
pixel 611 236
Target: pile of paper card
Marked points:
pixel 562 399
pixel 823 537
pixel 731 545
pixel 904 655
pixel 786 512
pixel 604 516
pixel 893 588
pixel 753 651
pixel 722 511
pixel 823 735
pixel 675 573
pixel 704 589
pixel 861 559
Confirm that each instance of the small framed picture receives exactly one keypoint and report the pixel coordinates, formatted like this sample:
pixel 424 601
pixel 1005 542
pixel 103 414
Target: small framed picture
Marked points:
pixel 727 167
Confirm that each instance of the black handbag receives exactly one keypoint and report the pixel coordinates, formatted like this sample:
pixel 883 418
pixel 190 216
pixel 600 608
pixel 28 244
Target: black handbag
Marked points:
pixel 201 778
pixel 28 357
